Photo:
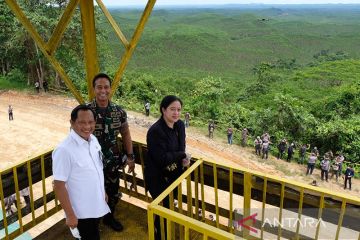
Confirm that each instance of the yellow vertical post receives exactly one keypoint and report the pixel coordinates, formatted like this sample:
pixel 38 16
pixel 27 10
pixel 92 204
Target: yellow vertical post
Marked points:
pixel 89 39
pixel 282 195
pixel 169 224
pixel 321 207
pixel 216 195
pixel 31 192
pixel 247 200
pixel 180 206
pixel 263 208
pixel 18 206
pixel 342 213
pixel 231 201
pixel 3 208
pixel 186 233
pixel 196 181
pixel 150 214
pixel 189 196
pixel 141 155
pixel 299 212
pixel 43 184
pixel 202 191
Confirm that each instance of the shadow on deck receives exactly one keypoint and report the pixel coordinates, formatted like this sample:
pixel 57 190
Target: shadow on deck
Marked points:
pixel 133 218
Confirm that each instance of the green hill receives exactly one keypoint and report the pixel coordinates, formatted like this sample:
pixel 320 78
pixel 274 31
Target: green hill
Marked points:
pixel 212 58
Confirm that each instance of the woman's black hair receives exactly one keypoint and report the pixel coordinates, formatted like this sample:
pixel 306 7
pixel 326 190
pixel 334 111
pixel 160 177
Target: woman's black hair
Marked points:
pixel 82 107
pixel 167 101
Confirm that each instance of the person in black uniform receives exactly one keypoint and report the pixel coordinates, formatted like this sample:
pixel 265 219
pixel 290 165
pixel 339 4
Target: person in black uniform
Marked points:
pixel 166 151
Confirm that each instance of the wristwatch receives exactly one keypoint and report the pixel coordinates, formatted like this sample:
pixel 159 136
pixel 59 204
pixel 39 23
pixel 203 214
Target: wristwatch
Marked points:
pixel 131 156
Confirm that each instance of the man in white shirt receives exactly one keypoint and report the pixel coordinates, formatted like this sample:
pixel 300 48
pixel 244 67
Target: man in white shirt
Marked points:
pixel 78 175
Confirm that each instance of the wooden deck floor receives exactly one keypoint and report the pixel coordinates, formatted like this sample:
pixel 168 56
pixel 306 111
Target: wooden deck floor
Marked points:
pixel 133 218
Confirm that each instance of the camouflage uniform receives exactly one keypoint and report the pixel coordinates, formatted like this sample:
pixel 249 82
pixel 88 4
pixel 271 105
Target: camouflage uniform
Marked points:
pixel 109 122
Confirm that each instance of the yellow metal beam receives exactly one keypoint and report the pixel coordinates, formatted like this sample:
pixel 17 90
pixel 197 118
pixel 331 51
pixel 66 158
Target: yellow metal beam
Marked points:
pixel 89 39
pixel 247 200
pixel 28 166
pixel 231 175
pixel 112 22
pixel 60 28
pixel 216 195
pixel 176 183
pixel 39 41
pixel 341 218
pixel 3 208
pixel 17 194
pixel 190 223
pixel 135 39
pixel 282 196
pixel 42 163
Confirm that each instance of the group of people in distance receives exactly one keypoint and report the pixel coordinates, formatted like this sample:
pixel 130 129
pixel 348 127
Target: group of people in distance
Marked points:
pixel 45 86
pixel 328 164
pixel 86 164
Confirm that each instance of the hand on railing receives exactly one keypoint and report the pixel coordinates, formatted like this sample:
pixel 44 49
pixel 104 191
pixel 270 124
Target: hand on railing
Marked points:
pixel 131 165
pixel 186 160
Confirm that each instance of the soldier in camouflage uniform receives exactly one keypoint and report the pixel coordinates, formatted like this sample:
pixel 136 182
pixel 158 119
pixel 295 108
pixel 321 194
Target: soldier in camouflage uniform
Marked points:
pixel 111 120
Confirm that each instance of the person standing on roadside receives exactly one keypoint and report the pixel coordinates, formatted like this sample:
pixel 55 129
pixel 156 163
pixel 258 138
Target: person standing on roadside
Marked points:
pixel 11 114
pixel 325 167
pixel 244 137
pixel 335 168
pixel 147 108
pixel 187 119
pixel 349 174
pixel 230 135
pixel 302 153
pixel 290 152
pixel 281 148
pixel 211 128
pixel 78 176
pixel 258 144
pixel 341 161
pixel 45 86
pixel 111 120
pixel 37 87
pixel 311 163
pixel 265 149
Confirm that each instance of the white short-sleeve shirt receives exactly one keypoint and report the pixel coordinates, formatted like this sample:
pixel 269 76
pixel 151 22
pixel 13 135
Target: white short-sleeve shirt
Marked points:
pixel 78 163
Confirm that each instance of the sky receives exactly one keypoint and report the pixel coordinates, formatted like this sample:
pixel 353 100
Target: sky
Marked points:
pixel 220 2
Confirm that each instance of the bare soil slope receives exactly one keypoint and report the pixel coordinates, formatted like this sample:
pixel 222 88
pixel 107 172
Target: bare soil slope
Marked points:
pixel 42 121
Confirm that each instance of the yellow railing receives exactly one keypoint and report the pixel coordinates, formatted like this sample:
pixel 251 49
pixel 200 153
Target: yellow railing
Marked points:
pixel 34 175
pixel 224 202
pixel 213 200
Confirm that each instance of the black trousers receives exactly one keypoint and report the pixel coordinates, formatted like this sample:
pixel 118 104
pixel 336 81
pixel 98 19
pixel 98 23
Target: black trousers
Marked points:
pixel 156 186
pixel 324 173
pixel 346 180
pixel 310 168
pixel 89 228
pixel 281 154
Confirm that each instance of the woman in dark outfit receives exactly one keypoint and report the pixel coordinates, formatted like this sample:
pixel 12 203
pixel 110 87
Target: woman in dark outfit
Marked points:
pixel 166 151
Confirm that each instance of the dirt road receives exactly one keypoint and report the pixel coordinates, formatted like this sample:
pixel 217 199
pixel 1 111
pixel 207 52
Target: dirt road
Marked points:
pixel 42 121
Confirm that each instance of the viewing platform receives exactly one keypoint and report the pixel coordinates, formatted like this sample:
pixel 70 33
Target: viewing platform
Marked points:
pixel 213 202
